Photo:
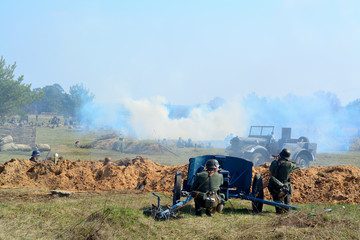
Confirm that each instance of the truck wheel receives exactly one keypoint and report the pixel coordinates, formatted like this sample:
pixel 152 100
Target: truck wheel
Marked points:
pixel 303 161
pixel 257 191
pixel 303 139
pixel 177 188
pixel 258 159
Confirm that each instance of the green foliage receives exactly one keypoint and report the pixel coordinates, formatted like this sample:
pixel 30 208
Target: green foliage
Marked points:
pixel 14 95
pixel 79 96
pixel 57 101
pixel 52 101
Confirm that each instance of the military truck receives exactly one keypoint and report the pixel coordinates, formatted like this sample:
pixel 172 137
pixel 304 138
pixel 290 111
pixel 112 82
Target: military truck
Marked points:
pixel 261 146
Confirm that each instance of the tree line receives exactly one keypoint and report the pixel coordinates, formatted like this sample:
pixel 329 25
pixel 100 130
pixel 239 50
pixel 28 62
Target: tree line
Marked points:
pixel 17 98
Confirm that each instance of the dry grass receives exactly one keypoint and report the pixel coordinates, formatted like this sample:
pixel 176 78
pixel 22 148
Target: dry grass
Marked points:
pixel 337 158
pixel 119 215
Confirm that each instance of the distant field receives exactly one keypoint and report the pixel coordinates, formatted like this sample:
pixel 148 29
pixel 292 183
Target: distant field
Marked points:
pixel 62 142
pixel 337 158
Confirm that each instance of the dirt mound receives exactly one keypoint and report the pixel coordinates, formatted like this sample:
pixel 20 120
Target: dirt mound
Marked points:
pixel 334 184
pixel 139 173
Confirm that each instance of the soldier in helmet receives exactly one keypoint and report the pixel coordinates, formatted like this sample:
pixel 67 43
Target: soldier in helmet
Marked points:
pixel 279 184
pixel 206 189
pixel 35 156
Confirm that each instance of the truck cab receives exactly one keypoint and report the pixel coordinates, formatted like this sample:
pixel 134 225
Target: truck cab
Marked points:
pixel 261 145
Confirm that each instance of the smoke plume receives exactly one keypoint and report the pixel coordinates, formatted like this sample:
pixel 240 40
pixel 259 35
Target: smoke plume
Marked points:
pixel 155 118
pixel 320 117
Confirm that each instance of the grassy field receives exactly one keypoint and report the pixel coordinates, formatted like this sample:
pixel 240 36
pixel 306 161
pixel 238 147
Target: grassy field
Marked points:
pixel 337 158
pixel 119 215
pixel 62 142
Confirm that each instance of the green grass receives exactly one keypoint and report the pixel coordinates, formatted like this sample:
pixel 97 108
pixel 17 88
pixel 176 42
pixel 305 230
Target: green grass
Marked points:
pixel 62 142
pixel 62 139
pixel 337 158
pixel 119 215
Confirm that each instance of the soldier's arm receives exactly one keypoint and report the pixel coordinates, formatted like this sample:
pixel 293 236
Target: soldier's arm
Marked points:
pixel 294 166
pixel 195 184
pixel 272 168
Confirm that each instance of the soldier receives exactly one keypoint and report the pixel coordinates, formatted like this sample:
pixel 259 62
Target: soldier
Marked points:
pixel 189 143
pixel 206 189
pixel 77 144
pixel 279 184
pixel 35 156
pixel 107 161
pixel 180 143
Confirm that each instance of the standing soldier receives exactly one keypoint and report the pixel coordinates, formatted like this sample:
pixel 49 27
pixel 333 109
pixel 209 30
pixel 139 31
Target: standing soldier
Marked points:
pixel 206 189
pixel 279 184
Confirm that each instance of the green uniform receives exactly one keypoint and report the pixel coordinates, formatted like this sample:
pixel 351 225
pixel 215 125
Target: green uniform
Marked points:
pixel 204 183
pixel 203 186
pixel 281 170
pixel 33 159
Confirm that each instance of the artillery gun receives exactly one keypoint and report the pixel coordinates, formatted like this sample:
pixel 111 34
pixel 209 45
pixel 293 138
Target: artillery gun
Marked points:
pixel 261 145
pixel 237 173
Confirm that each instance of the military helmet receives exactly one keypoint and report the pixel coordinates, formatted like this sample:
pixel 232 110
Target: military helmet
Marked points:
pixel 35 153
pixel 285 153
pixel 212 163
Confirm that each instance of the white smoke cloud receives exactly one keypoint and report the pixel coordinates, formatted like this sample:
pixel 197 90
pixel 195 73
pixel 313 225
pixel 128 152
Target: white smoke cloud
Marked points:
pixel 321 118
pixel 149 119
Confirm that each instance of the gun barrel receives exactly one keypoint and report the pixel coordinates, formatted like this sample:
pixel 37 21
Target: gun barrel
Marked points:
pixel 156 195
pixel 181 203
pixel 276 204
pixel 165 214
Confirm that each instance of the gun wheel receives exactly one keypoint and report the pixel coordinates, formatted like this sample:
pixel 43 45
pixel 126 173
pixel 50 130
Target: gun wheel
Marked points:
pixel 177 188
pixel 257 192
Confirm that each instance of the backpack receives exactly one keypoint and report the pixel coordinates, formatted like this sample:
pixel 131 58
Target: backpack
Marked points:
pixel 210 198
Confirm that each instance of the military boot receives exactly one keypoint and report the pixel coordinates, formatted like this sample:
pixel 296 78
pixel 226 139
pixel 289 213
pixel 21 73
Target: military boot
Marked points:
pixel 219 208
pixel 208 212
pixel 198 212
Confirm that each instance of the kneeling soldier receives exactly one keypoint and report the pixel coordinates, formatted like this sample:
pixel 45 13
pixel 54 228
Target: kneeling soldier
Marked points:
pixel 206 189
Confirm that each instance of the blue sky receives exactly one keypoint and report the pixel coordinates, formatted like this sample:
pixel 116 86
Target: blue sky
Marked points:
pixel 186 51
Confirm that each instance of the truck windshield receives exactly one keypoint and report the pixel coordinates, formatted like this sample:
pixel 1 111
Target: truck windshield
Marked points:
pixel 261 131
